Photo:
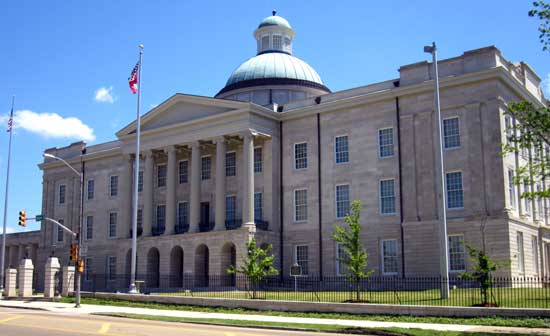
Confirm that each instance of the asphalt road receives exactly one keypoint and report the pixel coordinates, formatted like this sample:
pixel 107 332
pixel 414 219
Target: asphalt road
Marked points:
pixel 24 322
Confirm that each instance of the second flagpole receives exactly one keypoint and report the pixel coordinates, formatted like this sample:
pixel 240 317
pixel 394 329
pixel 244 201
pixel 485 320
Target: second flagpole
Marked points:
pixel 133 288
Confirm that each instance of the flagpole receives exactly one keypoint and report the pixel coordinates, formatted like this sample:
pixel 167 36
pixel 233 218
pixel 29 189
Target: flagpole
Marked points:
pixel 133 288
pixel 3 259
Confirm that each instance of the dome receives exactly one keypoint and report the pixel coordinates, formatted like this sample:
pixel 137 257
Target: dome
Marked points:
pixel 274 20
pixel 273 68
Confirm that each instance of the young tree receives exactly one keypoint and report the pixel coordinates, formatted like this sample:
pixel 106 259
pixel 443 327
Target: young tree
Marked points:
pixel 542 11
pixel 355 258
pixel 257 265
pixel 530 133
pixel 484 266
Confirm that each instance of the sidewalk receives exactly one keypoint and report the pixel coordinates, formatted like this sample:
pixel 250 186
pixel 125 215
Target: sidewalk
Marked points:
pixel 68 308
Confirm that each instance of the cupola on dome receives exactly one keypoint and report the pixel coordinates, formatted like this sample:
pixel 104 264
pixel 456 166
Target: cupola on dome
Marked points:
pixel 274 75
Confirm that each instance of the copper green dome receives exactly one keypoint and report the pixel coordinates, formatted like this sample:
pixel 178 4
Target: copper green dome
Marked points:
pixel 274 20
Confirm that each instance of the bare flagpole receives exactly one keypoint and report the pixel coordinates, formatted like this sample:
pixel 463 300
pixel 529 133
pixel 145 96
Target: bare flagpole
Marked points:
pixel 133 288
pixel 3 259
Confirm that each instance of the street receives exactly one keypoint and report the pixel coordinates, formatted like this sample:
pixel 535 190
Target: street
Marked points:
pixel 23 322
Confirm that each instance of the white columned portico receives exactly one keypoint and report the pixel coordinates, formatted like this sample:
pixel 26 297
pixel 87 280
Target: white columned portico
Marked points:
pixel 248 179
pixel 148 193
pixel 194 214
pixel 171 190
pixel 220 183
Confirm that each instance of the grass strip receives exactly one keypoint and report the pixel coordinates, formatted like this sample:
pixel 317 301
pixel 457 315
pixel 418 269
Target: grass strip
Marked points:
pixel 301 326
pixel 523 322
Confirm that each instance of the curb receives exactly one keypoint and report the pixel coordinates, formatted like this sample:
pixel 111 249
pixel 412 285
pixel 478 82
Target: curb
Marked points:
pixel 20 307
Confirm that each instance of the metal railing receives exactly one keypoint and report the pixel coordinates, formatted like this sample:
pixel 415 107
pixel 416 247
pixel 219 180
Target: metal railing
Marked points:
pixel 157 230
pixel 518 292
pixel 232 224
pixel 181 228
pixel 206 226
pixel 262 224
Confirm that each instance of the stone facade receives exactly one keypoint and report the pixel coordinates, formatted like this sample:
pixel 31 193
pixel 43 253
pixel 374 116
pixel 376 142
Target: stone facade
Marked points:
pixel 185 141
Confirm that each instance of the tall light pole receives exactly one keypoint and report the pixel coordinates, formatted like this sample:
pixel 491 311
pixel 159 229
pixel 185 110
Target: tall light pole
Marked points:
pixel 443 249
pixel 80 222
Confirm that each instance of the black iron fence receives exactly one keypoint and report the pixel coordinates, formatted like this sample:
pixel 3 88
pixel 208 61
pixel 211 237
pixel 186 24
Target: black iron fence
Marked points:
pixel 521 292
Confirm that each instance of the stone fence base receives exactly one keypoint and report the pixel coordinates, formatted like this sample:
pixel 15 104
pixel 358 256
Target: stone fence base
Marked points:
pixel 321 307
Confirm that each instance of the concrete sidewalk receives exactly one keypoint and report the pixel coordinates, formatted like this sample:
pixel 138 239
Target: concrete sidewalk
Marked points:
pixel 68 308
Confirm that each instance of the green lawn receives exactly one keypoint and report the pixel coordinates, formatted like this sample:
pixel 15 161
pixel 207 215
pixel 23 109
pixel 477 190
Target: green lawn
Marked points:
pixel 306 327
pixel 525 322
pixel 504 297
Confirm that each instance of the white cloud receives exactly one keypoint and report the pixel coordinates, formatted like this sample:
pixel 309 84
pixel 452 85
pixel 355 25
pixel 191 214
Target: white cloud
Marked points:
pixel 51 125
pixel 105 95
pixel 10 230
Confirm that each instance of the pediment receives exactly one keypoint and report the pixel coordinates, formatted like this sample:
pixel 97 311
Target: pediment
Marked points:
pixel 182 108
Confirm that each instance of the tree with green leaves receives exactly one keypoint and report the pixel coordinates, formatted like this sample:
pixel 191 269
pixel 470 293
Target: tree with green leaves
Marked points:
pixel 257 265
pixel 541 10
pixel 355 256
pixel 484 266
pixel 529 133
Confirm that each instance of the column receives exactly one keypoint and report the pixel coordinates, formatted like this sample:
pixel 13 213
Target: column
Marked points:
pixel 194 213
pixel 248 179
pixel 171 190
pixel 220 183
pixel 127 196
pixel 148 194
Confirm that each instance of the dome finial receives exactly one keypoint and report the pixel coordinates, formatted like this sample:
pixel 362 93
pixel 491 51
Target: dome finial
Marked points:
pixel 274 12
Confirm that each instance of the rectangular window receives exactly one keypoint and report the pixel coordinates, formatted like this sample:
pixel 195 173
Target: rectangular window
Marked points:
pixel 88 269
pixel 258 206
pixel 527 201
pixel 113 216
pixel 206 167
pixel 540 207
pixel 183 171
pixel 113 186
pixel 521 262
pixel 111 268
pixel 509 130
pixel 161 216
pixel 258 160
pixel 455 194
pixel 341 257
pixel 341 149
pixel 277 42
pixel 457 255
pixel 385 142
pixel 302 259
pixel 389 255
pixel 140 181
pixel 230 207
pixel 89 227
pixel 90 189
pixel 511 188
pixel 59 236
pixel 300 155
pixel 342 200
pixel 535 247
pixel 161 175
pixel 61 196
pixel 183 214
pixel 140 218
pixel 230 164
pixel 387 197
pixel 300 205
pixel 451 133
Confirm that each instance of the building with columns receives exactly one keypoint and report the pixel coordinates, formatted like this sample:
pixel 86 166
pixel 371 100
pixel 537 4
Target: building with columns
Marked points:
pixel 277 156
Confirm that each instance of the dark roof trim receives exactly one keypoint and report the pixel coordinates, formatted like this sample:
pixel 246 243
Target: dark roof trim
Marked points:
pixel 273 51
pixel 272 81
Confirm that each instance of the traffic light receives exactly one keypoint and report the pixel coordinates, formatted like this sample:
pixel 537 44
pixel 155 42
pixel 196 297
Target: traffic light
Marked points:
pixel 74 252
pixel 22 218
pixel 80 266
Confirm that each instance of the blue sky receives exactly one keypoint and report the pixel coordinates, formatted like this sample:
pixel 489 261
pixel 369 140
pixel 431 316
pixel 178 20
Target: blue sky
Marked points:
pixel 56 55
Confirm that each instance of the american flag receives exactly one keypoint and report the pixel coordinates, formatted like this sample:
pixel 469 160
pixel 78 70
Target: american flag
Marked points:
pixel 10 121
pixel 133 79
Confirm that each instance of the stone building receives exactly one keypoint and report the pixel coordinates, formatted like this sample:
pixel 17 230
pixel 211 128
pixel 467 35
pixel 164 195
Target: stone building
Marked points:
pixel 277 155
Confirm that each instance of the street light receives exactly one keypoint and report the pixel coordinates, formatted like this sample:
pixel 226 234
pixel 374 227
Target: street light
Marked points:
pixel 443 253
pixel 81 222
